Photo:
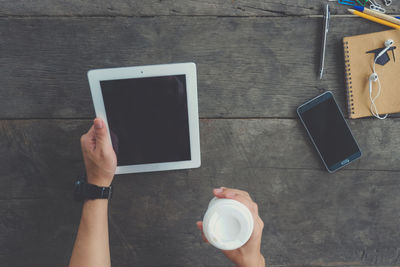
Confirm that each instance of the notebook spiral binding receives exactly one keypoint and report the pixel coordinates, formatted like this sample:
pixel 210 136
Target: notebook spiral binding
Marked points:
pixel 347 77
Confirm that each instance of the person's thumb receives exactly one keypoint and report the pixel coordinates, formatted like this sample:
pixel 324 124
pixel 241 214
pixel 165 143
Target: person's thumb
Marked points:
pixel 100 131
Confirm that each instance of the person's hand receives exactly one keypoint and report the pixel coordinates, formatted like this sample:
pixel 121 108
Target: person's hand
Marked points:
pixel 98 154
pixel 249 255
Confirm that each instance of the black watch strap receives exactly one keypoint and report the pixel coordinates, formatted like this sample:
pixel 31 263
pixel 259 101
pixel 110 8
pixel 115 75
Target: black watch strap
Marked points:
pixel 84 190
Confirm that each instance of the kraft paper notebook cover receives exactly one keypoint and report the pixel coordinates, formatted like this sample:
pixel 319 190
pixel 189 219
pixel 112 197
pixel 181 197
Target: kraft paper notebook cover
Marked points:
pixel 359 55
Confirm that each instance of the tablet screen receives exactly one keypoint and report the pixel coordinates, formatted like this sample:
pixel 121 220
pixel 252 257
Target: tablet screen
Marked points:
pixel 148 119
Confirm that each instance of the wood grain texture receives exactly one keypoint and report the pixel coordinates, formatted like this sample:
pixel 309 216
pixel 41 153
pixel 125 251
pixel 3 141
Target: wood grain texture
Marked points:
pixel 255 59
pixel 311 217
pixel 247 67
pixel 171 8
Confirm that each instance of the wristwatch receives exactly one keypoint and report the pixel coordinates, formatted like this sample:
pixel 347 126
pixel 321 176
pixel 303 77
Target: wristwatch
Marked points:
pixel 83 190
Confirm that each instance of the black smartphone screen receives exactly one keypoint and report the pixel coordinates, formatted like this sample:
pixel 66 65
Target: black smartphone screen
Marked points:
pixel 329 131
pixel 148 119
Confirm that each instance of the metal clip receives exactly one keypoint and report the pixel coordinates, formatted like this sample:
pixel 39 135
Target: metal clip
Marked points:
pixel 376 7
pixel 388 2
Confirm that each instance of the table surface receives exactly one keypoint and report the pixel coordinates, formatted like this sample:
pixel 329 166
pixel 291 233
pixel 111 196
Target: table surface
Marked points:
pixel 256 61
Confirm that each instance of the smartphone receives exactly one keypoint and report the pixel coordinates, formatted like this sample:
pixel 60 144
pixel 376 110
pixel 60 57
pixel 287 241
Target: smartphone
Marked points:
pixel 329 131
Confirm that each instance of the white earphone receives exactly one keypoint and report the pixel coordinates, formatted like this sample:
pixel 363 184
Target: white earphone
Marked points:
pixel 375 78
pixel 388 44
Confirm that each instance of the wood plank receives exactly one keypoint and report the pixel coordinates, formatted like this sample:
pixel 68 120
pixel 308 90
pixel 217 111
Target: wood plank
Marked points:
pixel 284 144
pixel 247 67
pixel 39 231
pixel 347 220
pixel 170 8
pixel 311 217
pixel 35 150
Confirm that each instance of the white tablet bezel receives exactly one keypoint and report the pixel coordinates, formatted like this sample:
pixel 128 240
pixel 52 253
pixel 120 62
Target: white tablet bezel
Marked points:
pixel 187 69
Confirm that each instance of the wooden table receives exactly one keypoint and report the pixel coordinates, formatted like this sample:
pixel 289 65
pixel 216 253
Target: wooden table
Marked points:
pixel 257 61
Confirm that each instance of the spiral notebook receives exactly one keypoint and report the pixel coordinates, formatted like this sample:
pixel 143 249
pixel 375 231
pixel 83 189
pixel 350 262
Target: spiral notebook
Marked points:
pixel 359 54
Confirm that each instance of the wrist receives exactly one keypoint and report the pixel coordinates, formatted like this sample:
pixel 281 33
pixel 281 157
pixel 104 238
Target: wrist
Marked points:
pixel 262 261
pixel 84 190
pixel 95 201
pixel 253 261
pixel 99 181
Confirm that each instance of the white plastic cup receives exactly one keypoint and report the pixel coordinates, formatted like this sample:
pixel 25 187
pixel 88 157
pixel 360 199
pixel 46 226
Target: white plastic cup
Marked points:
pixel 227 224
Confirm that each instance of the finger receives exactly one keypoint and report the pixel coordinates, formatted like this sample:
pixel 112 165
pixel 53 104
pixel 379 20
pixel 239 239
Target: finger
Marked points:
pixel 85 142
pixel 199 225
pixel 100 133
pixel 258 226
pixel 88 140
pixel 91 131
pixel 258 229
pixel 89 135
pixel 224 192
pixel 239 195
pixel 92 137
pixel 261 223
pixel 204 237
pixel 245 201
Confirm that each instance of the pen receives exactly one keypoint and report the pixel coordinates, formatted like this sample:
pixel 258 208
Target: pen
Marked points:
pixel 371 18
pixel 325 30
pixel 377 14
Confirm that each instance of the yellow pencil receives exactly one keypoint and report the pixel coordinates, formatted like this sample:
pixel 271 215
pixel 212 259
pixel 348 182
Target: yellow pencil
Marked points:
pixel 377 14
pixel 371 18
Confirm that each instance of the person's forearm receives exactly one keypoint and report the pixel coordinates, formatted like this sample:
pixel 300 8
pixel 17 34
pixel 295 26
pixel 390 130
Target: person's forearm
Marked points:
pixel 92 245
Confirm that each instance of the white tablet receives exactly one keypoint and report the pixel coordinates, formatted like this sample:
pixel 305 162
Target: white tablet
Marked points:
pixel 151 113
